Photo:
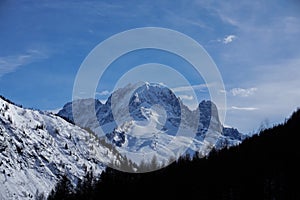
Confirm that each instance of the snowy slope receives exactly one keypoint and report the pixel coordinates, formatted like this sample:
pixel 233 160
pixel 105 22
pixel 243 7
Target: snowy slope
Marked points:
pixel 37 147
pixel 151 120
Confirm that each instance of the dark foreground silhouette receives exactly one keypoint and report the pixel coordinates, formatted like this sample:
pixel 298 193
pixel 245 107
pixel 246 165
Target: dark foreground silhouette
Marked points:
pixel 264 166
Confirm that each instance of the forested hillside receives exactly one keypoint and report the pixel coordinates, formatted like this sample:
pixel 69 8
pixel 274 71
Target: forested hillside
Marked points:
pixel 265 166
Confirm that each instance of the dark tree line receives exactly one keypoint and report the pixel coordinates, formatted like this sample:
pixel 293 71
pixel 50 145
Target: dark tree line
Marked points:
pixel 264 166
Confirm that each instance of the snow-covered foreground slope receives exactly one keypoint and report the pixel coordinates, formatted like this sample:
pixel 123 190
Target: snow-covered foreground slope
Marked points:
pixel 37 147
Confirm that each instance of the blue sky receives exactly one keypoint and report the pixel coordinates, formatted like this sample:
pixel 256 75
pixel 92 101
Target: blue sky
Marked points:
pixel 255 45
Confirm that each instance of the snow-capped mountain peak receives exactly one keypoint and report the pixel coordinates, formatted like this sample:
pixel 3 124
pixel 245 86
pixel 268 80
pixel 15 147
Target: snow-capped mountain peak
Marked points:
pixel 139 114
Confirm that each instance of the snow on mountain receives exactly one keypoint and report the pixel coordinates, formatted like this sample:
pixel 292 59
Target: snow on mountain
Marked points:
pixel 37 147
pixel 149 120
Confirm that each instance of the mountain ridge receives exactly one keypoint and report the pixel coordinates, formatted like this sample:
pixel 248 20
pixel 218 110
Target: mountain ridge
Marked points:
pixel 137 107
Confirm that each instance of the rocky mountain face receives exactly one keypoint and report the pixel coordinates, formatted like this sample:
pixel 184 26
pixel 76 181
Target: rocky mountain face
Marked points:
pixel 149 118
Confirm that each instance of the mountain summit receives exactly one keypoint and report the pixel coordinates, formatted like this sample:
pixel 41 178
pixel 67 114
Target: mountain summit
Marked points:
pixel 150 119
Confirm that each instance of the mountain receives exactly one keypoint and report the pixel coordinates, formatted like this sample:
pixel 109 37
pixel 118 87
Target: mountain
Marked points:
pixel 37 147
pixel 149 118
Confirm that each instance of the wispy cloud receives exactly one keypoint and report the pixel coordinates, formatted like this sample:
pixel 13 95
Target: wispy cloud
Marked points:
pixel 228 39
pixel 276 97
pixel 176 18
pixel 189 88
pixel 290 25
pixel 243 92
pixel 103 93
pixel 243 108
pixel 186 97
pixel 10 64
pixel 259 32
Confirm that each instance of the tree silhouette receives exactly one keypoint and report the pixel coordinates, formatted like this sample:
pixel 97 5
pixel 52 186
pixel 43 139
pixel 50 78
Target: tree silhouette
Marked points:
pixel 264 166
pixel 63 190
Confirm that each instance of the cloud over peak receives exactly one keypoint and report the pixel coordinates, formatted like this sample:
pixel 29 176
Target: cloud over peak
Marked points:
pixel 244 108
pixel 103 93
pixel 186 97
pixel 190 88
pixel 241 92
